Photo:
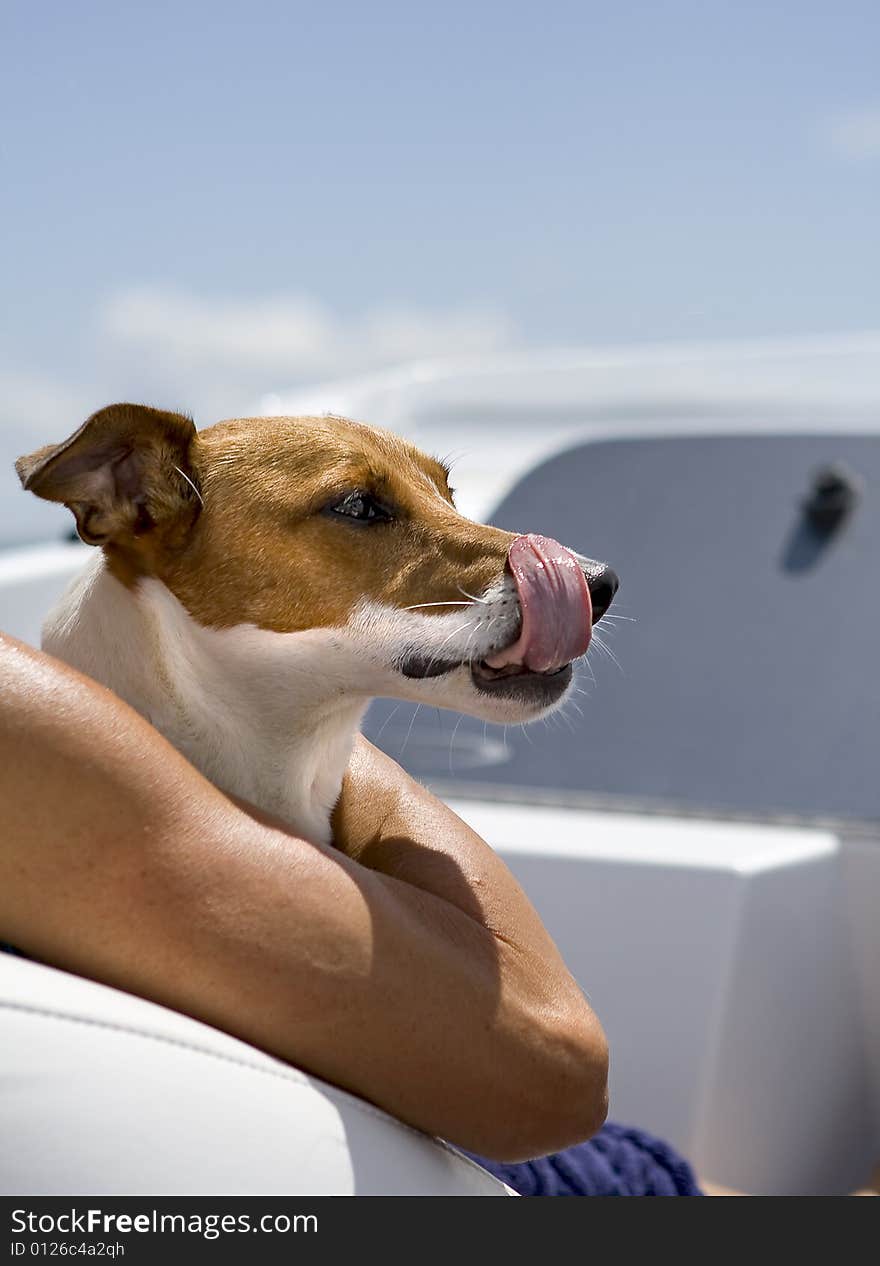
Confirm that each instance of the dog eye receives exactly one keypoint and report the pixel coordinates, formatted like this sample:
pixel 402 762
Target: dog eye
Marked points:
pixel 361 506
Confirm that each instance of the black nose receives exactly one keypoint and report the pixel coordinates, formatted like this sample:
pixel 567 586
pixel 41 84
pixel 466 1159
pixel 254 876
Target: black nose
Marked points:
pixel 603 585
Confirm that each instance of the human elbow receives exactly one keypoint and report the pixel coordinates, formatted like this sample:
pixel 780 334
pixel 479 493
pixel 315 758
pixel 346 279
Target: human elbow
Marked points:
pixel 559 1096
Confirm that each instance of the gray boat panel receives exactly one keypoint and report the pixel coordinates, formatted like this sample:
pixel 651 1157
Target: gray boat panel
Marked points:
pixel 748 679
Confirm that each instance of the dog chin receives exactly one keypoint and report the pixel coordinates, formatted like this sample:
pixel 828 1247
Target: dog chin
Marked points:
pixel 505 697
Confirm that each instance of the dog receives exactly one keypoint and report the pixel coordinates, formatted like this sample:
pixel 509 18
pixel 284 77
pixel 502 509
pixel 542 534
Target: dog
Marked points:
pixel 260 581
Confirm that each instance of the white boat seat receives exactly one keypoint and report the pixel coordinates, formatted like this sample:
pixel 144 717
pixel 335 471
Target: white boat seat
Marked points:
pixel 103 1093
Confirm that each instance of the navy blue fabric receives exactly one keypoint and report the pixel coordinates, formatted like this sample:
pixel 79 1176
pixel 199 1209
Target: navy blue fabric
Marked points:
pixel 618 1161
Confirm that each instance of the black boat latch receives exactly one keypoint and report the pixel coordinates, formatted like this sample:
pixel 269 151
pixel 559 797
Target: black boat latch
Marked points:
pixel 833 496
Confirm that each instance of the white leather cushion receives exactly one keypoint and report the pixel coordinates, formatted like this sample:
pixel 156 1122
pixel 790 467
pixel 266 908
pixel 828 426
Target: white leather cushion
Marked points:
pixel 102 1093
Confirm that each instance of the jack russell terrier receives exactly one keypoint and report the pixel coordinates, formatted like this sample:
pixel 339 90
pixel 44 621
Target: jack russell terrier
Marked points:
pixel 259 582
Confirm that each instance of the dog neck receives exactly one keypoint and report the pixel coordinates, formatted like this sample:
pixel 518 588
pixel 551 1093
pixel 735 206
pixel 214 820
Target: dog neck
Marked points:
pixel 270 717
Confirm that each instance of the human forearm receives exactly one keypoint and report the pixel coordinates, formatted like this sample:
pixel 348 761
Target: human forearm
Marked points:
pixel 120 862
pixel 390 823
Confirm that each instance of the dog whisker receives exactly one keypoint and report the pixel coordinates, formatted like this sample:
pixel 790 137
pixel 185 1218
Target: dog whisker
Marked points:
pixel 391 715
pixel 417 605
pixel 467 645
pixel 606 650
pixel 409 731
pixel 452 744
pixel 185 476
pixel 483 601
pixel 433 660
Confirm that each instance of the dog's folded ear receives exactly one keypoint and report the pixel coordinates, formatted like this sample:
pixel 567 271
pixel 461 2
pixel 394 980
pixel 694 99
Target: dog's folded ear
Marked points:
pixel 127 471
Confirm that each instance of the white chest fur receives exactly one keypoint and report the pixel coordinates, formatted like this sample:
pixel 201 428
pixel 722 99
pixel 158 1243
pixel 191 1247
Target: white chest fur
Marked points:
pixel 268 716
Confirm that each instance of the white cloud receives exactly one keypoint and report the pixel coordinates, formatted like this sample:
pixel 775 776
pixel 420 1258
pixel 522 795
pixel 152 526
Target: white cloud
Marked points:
pixel 292 337
pixel 854 134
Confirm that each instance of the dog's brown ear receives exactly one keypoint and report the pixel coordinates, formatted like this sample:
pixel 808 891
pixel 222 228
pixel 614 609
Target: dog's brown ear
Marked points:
pixel 127 471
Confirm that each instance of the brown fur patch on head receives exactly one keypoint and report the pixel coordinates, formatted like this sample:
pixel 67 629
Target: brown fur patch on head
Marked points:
pixel 237 520
pixel 267 548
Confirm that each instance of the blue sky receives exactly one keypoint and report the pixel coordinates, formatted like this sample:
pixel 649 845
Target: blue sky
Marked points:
pixel 208 201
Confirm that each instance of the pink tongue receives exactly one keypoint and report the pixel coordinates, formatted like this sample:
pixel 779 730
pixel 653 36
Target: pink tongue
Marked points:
pixel 557 615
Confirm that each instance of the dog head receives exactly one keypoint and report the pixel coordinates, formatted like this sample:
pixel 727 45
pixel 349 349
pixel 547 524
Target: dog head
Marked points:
pixel 338 532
